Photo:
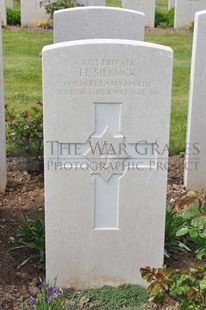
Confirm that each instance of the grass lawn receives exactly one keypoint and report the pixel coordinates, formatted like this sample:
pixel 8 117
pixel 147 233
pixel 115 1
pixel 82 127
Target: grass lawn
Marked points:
pixel 22 66
pixel 114 3
pixel 129 297
pixel 181 44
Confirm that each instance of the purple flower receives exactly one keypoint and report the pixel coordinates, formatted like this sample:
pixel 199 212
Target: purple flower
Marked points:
pixel 47 300
pixel 52 291
pixel 40 284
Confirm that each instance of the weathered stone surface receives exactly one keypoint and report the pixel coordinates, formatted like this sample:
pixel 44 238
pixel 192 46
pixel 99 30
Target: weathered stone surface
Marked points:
pixel 92 2
pixel 98 23
pixel 185 11
pixel 171 4
pixel 195 158
pixel 33 11
pixel 3 176
pixel 10 4
pixel 145 6
pixel 3 11
pixel 105 190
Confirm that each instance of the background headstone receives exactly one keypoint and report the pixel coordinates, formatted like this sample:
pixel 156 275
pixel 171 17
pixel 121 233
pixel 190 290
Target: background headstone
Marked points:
pixel 3 11
pixel 98 23
pixel 10 4
pixel 105 218
pixel 33 11
pixel 171 4
pixel 185 11
pixel 92 2
pixel 3 175
pixel 195 161
pixel 145 6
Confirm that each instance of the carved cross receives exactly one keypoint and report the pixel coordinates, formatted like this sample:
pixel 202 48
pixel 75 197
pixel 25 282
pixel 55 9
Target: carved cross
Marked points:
pixel 108 156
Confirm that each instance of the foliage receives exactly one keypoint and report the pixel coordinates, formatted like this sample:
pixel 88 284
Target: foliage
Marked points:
pixel 190 27
pixel 59 5
pixel 13 16
pixel 124 297
pixel 173 243
pixel 31 236
pixel 164 19
pixel 25 135
pixel 195 222
pixel 45 24
pixel 128 297
pixel 48 298
pixel 186 287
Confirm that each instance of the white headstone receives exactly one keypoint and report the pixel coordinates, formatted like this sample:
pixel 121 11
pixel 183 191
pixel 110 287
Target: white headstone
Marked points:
pixel 10 4
pixel 145 6
pixel 195 159
pixel 3 175
pixel 3 11
pixel 105 190
pixel 33 11
pixel 185 11
pixel 171 4
pixel 101 23
pixel 92 2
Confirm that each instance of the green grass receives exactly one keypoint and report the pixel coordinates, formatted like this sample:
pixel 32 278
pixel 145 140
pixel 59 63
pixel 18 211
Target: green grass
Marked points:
pixel 181 44
pixel 22 66
pixel 130 297
pixel 114 3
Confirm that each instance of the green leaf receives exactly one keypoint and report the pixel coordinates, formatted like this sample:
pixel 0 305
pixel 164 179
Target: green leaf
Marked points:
pixel 193 233
pixel 203 284
pixel 24 262
pixel 183 231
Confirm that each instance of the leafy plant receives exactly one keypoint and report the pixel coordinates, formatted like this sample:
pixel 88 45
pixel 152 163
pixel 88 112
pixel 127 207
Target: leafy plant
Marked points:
pixel 195 222
pixel 188 288
pixel 31 236
pixel 59 5
pixel 173 242
pixel 13 16
pixel 45 24
pixel 164 19
pixel 190 27
pixel 48 298
pixel 25 135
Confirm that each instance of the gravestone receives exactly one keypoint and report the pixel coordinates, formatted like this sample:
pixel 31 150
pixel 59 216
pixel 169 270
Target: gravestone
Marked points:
pixel 3 11
pixel 145 6
pixel 10 4
pixel 171 4
pixel 106 110
pixel 2 124
pixel 185 11
pixel 33 11
pixel 195 158
pixel 101 22
pixel 92 2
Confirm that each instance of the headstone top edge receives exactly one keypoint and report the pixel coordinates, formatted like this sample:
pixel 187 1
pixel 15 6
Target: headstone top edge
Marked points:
pixel 105 42
pixel 95 8
pixel 200 13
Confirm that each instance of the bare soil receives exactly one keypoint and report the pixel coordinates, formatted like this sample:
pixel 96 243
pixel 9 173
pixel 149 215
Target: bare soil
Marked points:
pixel 23 191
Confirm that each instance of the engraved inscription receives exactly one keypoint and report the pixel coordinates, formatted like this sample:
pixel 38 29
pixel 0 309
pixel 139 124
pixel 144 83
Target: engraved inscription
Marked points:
pixel 109 77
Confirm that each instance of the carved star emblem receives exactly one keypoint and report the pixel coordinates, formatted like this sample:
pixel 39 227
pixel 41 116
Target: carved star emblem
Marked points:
pixel 106 155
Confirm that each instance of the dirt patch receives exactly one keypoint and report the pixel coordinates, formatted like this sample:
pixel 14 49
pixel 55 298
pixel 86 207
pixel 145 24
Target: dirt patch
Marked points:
pixel 23 191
